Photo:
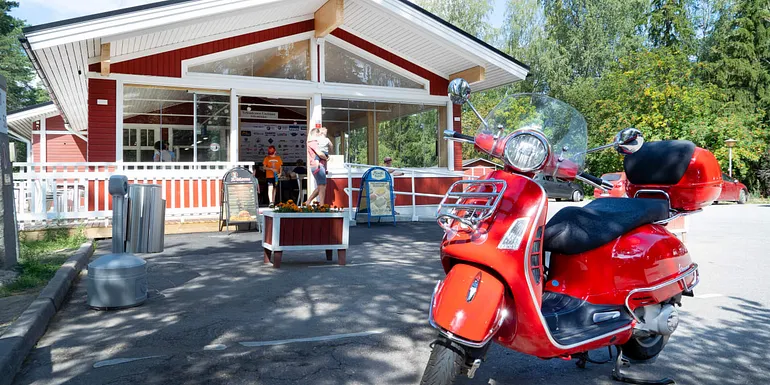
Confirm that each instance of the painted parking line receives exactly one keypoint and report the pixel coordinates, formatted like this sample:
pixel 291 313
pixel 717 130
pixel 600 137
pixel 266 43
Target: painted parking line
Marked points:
pixel 365 264
pixel 312 339
pixel 707 296
pixel 118 361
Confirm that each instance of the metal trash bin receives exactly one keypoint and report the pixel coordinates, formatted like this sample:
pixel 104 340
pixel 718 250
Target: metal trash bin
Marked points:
pixel 146 219
pixel 117 281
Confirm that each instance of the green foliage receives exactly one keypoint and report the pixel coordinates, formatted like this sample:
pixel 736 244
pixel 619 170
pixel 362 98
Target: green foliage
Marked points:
pixel 39 260
pixel 410 140
pixel 739 61
pixel 670 26
pixel 14 64
pixel 470 15
pixel 586 36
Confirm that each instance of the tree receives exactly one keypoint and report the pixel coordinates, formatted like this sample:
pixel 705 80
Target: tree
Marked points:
pixel 585 36
pixel 670 25
pixel 739 62
pixel 14 64
pixel 470 15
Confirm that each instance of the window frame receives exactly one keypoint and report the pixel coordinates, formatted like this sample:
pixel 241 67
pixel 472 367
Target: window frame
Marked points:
pixel 374 59
pixel 245 50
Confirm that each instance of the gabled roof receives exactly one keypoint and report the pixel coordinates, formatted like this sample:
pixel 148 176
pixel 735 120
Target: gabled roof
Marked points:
pixel 490 163
pixel 20 121
pixel 61 51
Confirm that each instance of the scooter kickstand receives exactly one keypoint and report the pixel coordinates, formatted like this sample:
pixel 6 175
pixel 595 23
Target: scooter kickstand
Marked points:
pixel 618 375
pixel 473 368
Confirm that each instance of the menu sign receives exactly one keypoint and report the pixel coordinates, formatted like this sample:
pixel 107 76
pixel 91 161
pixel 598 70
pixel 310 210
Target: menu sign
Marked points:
pixel 377 198
pixel 241 203
pixel 239 198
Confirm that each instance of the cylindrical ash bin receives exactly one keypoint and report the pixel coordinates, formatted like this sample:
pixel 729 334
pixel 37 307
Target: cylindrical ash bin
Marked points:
pixel 146 219
pixel 117 281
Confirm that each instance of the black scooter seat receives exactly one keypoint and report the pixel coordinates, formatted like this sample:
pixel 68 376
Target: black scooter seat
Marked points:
pixel 575 230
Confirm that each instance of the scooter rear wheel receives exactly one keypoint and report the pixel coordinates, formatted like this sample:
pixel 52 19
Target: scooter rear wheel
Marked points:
pixel 447 361
pixel 644 349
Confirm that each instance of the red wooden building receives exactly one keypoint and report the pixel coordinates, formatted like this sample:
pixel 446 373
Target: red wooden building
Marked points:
pixel 219 83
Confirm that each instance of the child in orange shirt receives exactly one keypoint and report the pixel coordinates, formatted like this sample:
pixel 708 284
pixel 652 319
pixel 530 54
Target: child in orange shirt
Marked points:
pixel 273 166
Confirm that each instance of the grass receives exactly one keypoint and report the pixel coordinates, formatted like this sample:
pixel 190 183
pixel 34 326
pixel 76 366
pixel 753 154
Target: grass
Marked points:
pixel 39 260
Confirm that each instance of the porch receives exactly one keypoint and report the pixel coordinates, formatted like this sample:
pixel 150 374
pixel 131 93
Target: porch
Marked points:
pixel 76 193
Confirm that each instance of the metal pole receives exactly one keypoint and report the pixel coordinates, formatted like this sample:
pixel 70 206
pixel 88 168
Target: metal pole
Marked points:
pixel 195 127
pixel 731 162
pixel 9 237
pixel 414 200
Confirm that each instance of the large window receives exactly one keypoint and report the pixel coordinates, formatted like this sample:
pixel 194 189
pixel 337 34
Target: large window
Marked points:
pixel 343 66
pixel 370 131
pixel 289 61
pixel 169 125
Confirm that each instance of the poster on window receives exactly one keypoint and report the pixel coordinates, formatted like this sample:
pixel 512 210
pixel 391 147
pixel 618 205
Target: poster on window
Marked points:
pixel 289 141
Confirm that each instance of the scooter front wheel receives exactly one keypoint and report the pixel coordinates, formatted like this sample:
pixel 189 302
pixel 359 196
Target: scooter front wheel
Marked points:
pixel 447 361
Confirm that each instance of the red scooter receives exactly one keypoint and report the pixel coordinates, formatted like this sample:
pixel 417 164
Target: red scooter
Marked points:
pixel 607 274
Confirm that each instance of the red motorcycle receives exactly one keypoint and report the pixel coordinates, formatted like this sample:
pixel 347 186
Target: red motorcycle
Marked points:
pixel 607 274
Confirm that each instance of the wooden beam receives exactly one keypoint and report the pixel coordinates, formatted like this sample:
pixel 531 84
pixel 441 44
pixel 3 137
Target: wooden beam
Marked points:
pixel 472 75
pixel 329 17
pixel 105 60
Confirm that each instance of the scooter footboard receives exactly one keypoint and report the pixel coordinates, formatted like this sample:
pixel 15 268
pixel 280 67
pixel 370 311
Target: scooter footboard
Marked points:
pixel 468 307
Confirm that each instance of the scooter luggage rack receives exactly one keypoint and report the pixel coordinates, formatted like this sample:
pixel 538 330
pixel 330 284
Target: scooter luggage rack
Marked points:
pixel 473 213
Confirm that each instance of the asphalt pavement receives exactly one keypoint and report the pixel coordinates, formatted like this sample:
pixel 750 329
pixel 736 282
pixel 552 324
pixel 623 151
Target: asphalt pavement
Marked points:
pixel 218 315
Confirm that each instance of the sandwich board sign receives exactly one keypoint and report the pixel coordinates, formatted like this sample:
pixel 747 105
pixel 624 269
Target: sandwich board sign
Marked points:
pixel 239 198
pixel 376 198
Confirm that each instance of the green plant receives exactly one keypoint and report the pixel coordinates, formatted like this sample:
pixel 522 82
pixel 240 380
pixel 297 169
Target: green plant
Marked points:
pixel 40 259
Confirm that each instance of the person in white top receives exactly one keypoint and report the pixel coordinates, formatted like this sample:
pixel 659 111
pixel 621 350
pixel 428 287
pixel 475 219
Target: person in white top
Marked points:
pixel 161 153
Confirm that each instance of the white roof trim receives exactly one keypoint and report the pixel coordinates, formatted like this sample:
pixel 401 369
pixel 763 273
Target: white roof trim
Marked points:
pixel 141 20
pixel 450 36
pixel 41 112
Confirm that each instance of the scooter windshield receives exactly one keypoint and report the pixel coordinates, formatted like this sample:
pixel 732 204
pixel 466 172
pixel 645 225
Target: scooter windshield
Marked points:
pixel 562 125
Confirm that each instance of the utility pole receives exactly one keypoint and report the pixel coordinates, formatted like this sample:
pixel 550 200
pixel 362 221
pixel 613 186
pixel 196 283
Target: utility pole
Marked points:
pixel 9 235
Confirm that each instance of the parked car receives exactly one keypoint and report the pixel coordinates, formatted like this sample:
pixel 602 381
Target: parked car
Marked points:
pixel 733 191
pixel 560 189
pixel 618 180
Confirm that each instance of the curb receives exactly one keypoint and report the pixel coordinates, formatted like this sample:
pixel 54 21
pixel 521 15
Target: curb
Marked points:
pixel 23 334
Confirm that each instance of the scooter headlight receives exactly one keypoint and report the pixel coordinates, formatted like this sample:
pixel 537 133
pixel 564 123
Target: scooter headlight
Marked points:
pixel 526 151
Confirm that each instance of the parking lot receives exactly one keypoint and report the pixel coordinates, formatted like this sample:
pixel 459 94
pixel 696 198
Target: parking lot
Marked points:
pixel 218 315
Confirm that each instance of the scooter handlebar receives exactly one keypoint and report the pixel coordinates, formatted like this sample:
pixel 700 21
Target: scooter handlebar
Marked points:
pixel 595 181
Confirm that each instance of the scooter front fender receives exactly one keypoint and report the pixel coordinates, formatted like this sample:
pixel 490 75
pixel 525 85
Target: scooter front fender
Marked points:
pixel 468 307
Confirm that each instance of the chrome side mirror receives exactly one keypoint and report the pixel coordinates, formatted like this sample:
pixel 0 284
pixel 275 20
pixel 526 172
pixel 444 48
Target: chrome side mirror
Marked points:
pixel 459 91
pixel 629 141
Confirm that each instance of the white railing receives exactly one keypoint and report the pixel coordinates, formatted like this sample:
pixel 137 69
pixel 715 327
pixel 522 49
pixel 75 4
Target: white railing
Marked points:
pixel 50 191
pixel 410 173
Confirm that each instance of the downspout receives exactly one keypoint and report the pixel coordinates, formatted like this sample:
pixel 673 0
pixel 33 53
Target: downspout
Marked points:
pixel 47 85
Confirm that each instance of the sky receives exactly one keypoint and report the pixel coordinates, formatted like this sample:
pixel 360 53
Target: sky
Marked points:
pixel 45 11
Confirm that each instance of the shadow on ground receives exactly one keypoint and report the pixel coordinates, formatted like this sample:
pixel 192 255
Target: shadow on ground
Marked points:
pixel 212 291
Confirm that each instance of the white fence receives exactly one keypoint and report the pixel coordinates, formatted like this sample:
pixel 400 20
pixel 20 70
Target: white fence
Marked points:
pixel 50 191
pixel 413 175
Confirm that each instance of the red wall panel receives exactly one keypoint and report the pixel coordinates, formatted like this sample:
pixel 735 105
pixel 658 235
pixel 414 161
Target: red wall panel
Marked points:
pixel 101 121
pixel 438 85
pixel 35 148
pixel 65 148
pixel 169 63
pixel 55 123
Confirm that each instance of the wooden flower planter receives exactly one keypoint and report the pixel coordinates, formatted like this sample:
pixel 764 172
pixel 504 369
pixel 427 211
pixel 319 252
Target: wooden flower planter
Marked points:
pixel 302 232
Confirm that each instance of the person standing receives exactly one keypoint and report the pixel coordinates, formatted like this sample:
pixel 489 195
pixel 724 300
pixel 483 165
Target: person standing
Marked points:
pixel 317 167
pixel 273 166
pixel 161 153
